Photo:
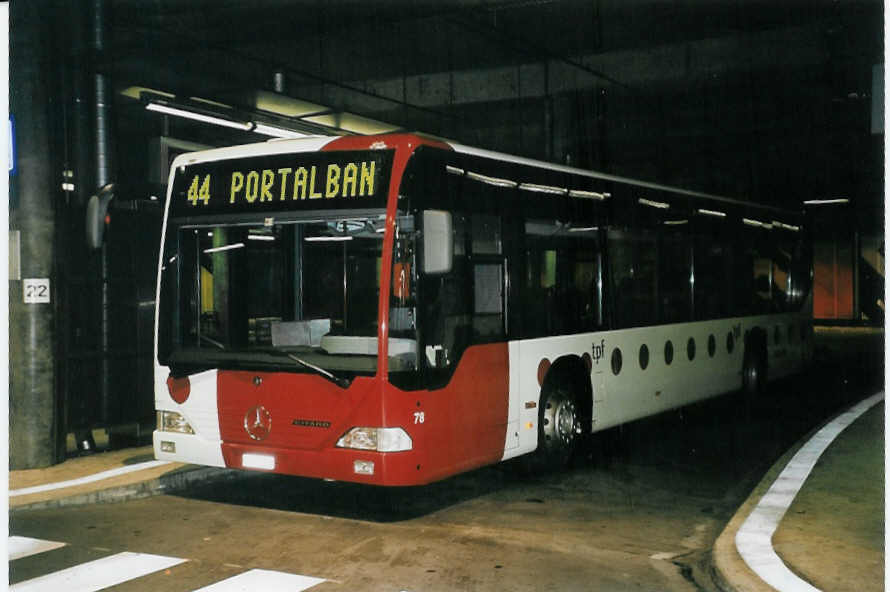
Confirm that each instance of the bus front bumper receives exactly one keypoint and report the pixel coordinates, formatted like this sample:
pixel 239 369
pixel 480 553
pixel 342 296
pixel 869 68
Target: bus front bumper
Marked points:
pixel 337 464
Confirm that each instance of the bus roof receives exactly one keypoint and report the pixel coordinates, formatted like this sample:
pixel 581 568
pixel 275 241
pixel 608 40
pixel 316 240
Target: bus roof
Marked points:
pixel 607 177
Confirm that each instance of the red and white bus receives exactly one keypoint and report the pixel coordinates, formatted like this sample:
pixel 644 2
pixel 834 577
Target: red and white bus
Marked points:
pixel 394 310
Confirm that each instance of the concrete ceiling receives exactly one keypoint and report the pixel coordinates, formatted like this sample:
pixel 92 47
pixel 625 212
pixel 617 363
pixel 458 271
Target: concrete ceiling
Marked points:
pixel 733 96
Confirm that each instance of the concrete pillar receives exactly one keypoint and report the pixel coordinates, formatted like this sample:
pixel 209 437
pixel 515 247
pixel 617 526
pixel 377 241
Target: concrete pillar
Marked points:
pixel 36 433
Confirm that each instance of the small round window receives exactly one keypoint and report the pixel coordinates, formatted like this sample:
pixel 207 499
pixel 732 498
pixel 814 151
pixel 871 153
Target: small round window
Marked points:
pixel 616 361
pixel 644 356
pixel 690 349
pixel 668 352
pixel 712 345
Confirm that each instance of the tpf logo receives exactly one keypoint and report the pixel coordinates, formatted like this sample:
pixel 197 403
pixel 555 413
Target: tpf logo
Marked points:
pixel 599 351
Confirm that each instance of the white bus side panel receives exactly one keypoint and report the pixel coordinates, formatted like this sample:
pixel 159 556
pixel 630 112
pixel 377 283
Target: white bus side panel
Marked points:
pixel 635 392
pixel 200 411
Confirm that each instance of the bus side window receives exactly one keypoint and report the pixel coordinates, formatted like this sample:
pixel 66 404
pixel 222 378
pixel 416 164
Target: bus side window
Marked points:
pixel 674 278
pixel 632 255
pixel 800 276
pixel 562 278
pixel 781 267
pixel 446 314
pixel 486 255
pixel 712 278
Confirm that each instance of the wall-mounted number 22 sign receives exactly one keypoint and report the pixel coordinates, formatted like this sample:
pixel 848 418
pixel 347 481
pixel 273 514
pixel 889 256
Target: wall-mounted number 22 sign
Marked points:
pixel 36 291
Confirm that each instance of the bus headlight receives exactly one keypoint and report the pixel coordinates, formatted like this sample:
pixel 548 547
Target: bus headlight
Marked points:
pixel 378 439
pixel 171 421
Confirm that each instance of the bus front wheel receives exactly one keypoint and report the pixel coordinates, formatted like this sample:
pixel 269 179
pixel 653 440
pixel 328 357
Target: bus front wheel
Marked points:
pixel 559 425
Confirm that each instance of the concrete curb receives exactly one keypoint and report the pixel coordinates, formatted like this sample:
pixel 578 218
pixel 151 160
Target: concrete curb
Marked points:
pixel 170 482
pixel 729 571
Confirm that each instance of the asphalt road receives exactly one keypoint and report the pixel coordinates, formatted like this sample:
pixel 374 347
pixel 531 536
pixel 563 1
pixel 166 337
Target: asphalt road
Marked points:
pixel 638 513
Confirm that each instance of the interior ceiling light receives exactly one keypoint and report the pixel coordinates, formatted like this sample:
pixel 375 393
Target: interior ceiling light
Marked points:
pixel 653 204
pixel 790 227
pixel 327 239
pixel 826 202
pixel 543 188
pixel 758 223
pixel 581 193
pixel 224 248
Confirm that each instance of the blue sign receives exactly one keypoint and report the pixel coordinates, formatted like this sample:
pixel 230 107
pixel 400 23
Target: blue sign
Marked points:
pixel 11 154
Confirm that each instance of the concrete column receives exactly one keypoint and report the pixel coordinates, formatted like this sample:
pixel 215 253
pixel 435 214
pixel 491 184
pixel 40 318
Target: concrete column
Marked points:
pixel 36 436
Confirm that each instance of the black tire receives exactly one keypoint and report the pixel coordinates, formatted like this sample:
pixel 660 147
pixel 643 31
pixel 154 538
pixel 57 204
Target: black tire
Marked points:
pixel 754 371
pixel 560 425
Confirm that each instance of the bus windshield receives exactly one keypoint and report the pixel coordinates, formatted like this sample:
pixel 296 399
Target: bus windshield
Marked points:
pixel 261 295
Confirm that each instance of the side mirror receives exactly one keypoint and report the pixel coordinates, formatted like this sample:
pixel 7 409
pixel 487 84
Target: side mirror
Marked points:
pixel 97 209
pixel 438 242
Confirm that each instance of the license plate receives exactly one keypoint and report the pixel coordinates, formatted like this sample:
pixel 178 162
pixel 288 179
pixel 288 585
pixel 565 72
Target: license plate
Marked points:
pixel 258 461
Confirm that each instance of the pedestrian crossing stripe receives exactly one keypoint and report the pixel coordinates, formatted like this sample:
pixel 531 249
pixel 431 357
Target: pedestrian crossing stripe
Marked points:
pixel 122 567
pixel 263 579
pixel 98 574
pixel 19 546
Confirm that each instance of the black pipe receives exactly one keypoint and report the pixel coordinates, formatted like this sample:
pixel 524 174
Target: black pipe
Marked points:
pixel 80 388
pixel 104 156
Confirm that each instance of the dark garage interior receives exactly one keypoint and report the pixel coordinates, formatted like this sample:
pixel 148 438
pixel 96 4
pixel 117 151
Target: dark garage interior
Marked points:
pixel 780 103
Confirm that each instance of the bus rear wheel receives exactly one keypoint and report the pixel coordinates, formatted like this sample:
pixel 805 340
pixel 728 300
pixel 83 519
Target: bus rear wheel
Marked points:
pixel 754 372
pixel 559 426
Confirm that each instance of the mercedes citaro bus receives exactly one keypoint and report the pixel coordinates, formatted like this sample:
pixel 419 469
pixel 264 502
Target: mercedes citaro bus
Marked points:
pixel 394 309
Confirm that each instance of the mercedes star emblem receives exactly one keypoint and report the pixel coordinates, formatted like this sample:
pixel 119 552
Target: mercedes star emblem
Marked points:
pixel 258 422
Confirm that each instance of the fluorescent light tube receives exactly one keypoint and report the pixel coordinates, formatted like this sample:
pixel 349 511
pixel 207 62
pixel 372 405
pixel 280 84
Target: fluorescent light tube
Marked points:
pixel 184 113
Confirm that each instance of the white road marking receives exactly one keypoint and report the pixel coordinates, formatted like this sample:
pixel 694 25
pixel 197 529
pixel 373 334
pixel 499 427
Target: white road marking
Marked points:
pixel 89 478
pixel 19 546
pixel 98 574
pixel 123 567
pixel 265 580
pixel 754 539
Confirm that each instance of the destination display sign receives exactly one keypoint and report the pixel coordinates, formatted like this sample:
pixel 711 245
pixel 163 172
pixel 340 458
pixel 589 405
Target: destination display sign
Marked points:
pixel 294 181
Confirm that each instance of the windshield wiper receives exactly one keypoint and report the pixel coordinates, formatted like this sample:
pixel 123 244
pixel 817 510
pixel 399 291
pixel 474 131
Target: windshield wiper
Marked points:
pixel 338 380
pixel 179 368
pixel 212 342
